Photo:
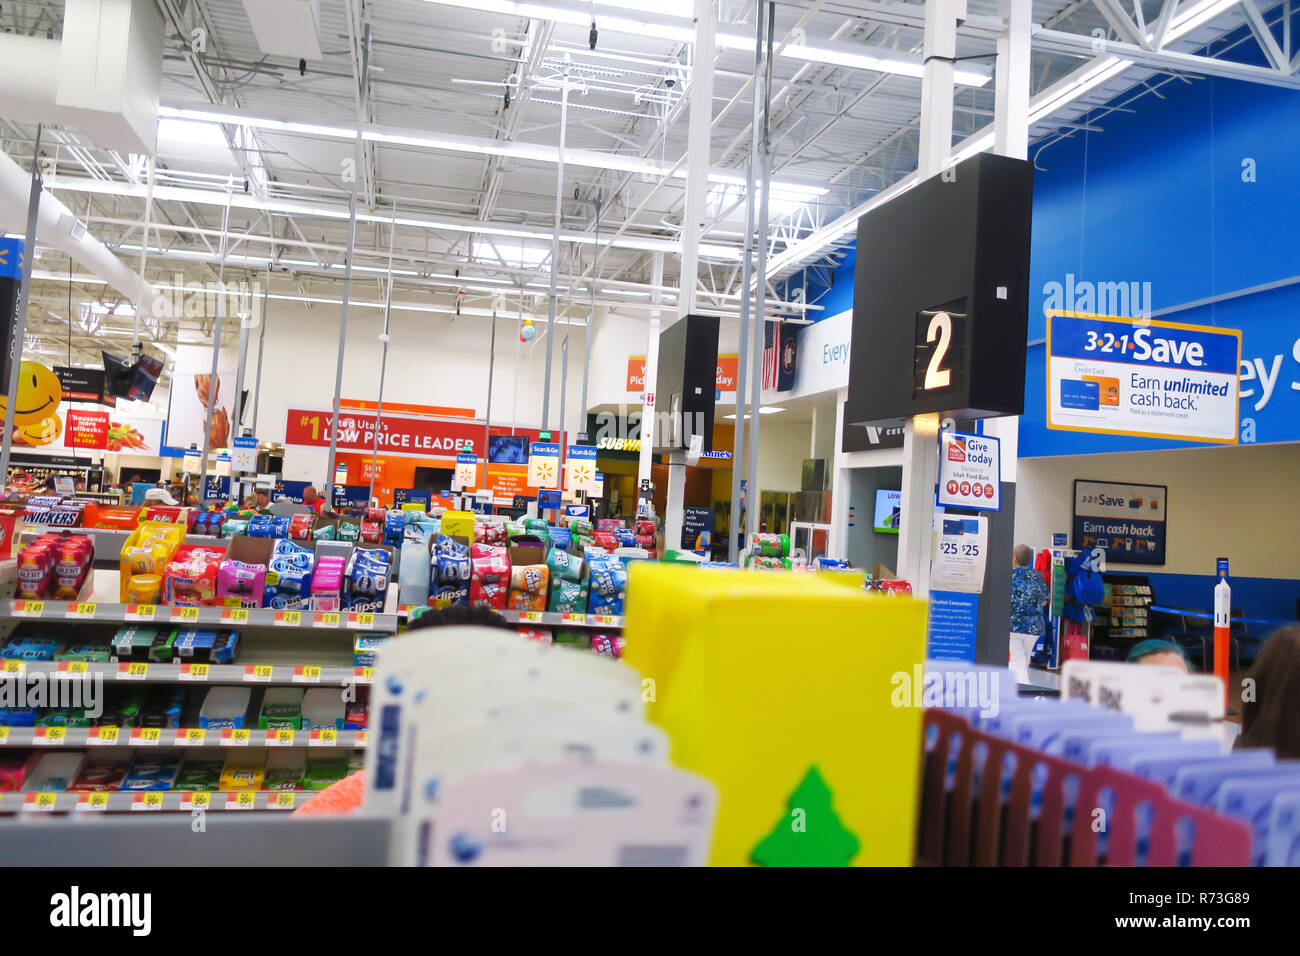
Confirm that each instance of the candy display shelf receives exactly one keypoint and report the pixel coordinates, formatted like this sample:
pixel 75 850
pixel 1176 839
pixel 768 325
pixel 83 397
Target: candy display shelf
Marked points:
pixel 549 618
pixel 94 611
pixel 244 672
pixel 56 802
pixel 177 737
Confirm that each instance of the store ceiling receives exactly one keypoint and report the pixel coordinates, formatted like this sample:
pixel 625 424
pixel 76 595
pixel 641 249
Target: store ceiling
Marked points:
pixel 440 71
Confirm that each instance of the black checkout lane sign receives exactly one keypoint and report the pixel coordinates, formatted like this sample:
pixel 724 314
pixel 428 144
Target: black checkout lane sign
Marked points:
pixel 940 353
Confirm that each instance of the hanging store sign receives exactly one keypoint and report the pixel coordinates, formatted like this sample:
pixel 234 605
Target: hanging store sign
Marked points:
pixel 544 465
pixel 465 478
pixel 1126 521
pixel 1142 378
pixel 243 454
pixel 970 471
pixel 580 468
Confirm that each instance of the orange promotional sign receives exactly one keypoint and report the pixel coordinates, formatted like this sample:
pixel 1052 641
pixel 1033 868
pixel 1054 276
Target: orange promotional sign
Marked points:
pixel 507 481
pixel 728 367
pixel 636 373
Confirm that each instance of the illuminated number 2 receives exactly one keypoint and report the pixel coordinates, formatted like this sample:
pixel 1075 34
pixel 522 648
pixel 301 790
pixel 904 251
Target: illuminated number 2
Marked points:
pixel 940 327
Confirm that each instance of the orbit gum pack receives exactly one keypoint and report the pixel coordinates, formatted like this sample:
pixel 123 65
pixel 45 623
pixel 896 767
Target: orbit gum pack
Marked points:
pixel 366 579
pixel 450 572
pixel 289 576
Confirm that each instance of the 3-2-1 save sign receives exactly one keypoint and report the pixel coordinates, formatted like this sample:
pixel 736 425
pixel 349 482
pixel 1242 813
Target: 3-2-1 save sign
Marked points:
pixel 940 353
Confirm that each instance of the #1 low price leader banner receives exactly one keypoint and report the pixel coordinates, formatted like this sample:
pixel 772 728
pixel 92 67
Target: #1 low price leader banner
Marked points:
pixel 1140 377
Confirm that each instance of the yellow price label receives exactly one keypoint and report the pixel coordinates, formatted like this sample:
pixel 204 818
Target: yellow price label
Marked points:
pixel 240 737
pixel 573 618
pixel 324 738
pixel 281 801
pixel 195 671
pixel 147 735
pixel 137 670
pixel 534 616
pixel 13 667
pixel 288 618
pixel 187 614
pixel 93 801
pixel 51 735
pixel 328 619
pixel 362 737
pixel 4 736
pixel 34 608
pixel 147 801
pixel 82 609
pixel 310 674
pixel 192 735
pixel 45 800
pixel 141 611
pixel 238 615
pixel 361 620
pixel 244 800
pixel 74 667
pixel 200 800
pixel 363 673
pixel 259 672
pixel 104 735
pixel 282 737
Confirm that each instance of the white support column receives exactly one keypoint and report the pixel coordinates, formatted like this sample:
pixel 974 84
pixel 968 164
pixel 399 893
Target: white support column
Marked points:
pixel 1011 138
pixel 1011 79
pixel 699 126
pixel 651 373
pixel 921 434
pixel 838 544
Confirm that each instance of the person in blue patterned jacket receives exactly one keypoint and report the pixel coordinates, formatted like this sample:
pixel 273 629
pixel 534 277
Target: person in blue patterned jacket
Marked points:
pixel 1028 594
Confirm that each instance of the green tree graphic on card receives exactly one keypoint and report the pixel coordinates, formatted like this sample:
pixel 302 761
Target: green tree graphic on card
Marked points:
pixel 810 834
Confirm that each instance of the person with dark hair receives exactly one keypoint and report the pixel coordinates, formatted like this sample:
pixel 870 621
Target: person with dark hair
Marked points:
pixel 456 614
pixel 1160 654
pixel 1270 716
pixel 349 794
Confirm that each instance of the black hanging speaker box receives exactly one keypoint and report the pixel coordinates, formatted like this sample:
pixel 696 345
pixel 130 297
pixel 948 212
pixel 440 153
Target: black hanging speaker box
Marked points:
pixel 686 383
pixel 941 296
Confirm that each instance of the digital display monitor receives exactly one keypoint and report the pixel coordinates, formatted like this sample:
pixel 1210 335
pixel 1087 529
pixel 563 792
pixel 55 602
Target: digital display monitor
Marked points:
pixel 508 449
pixel 889 511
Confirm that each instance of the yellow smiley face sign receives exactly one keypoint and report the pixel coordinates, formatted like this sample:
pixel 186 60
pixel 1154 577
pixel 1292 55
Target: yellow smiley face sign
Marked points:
pixel 39 395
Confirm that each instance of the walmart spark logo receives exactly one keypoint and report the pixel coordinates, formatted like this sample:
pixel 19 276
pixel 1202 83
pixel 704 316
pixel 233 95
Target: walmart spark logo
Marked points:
pixel 11 259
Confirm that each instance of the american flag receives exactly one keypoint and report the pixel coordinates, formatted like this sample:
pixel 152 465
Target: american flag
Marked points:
pixel 771 355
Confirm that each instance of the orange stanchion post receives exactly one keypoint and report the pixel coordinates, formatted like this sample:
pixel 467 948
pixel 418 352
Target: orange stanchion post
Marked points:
pixel 1222 641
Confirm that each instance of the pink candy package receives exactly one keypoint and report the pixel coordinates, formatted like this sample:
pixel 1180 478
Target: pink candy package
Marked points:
pixel 240 584
pixel 327 583
pixel 14 767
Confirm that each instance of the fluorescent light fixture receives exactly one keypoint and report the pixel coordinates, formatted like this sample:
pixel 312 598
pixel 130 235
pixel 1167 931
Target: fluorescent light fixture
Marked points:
pixel 580 14
pixel 513 253
pixel 531 152
pixel 191 133
pixel 878 59
pixel 762 410
pixel 664 21
pixel 1195 16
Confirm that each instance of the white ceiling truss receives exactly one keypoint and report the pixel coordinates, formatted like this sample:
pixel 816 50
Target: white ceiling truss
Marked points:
pixel 459 122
